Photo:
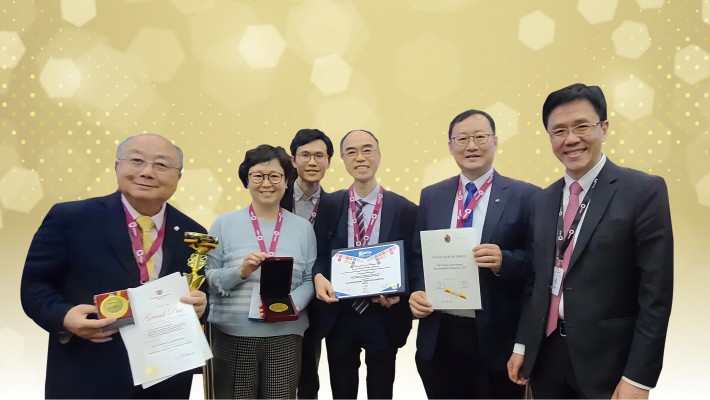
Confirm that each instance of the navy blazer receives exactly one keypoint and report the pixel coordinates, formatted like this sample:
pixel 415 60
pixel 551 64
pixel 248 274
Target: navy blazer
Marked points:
pixel 618 287
pixel 505 225
pixel 82 249
pixel 387 326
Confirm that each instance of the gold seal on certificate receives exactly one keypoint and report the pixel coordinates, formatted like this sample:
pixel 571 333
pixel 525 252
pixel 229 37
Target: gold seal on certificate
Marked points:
pixel 278 307
pixel 201 243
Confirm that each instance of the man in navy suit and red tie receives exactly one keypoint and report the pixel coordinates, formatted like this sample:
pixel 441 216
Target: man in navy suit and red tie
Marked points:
pixel 596 313
pixel 379 325
pixel 462 353
pixel 84 248
pixel 311 151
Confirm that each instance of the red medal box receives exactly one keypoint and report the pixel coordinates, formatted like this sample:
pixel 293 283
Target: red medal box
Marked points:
pixel 275 289
pixel 114 305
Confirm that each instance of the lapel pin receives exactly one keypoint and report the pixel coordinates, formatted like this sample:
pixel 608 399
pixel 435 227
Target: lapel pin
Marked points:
pixel 497 200
pixel 176 228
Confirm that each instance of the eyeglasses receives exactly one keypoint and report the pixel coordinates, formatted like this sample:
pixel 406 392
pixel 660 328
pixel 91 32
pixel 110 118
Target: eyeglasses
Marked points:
pixel 258 177
pixel 479 138
pixel 306 157
pixel 138 164
pixel 561 134
pixel 366 152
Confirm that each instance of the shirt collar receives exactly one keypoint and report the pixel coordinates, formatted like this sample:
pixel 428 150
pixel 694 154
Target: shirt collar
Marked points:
pixel 478 182
pixel 299 195
pixel 157 218
pixel 370 198
pixel 586 180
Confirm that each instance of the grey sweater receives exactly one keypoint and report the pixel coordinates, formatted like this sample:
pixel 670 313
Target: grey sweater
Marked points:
pixel 230 295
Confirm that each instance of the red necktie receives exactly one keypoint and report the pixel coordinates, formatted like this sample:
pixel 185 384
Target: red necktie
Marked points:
pixel 553 314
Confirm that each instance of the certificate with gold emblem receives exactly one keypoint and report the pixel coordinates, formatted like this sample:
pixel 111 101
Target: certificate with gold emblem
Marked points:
pixel 368 271
pixel 450 272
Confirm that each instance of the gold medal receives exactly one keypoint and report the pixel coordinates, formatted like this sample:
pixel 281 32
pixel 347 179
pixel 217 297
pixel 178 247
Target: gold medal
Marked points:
pixel 278 307
pixel 114 306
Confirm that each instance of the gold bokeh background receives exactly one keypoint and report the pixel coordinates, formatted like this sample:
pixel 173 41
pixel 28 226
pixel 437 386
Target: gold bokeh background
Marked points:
pixel 219 77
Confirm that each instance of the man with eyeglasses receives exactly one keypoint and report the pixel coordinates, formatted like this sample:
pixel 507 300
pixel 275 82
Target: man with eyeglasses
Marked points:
pixel 105 244
pixel 365 214
pixel 311 151
pixel 476 342
pixel 596 313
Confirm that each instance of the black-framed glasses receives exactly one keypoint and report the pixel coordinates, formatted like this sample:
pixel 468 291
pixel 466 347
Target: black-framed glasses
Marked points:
pixel 366 152
pixel 560 134
pixel 305 157
pixel 479 138
pixel 138 164
pixel 258 177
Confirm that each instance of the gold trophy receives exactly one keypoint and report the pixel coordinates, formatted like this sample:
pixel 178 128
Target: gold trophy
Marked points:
pixel 201 243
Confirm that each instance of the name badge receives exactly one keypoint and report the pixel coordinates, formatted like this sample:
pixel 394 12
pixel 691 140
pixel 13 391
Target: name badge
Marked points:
pixel 557 281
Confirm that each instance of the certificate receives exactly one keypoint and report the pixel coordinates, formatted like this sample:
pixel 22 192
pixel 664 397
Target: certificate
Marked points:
pixel 450 272
pixel 167 337
pixel 368 271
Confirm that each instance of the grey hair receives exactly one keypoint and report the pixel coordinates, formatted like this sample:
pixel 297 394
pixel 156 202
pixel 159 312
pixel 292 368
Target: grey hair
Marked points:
pixel 121 145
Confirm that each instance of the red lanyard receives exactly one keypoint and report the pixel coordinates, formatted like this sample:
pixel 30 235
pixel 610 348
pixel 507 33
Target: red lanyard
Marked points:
pixel 315 209
pixel 373 219
pixel 260 237
pixel 137 243
pixel 463 213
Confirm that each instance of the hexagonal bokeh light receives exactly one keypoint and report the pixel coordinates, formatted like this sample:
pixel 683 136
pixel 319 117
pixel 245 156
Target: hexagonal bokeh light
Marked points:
pixel 261 46
pixel 20 189
pixel 8 158
pixel 631 39
pixel 692 64
pixel 331 74
pixel 597 11
pixel 420 73
pixel 192 6
pixel 650 4
pixel 198 194
pixel 633 99
pixel 317 28
pixel 60 78
pixel 536 30
pixel 702 190
pixel 78 12
pixel 162 65
pixel 11 49
pixel 506 119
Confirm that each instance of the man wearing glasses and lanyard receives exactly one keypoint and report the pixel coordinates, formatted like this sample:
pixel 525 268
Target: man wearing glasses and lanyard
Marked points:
pixel 311 151
pixel 380 325
pixel 595 318
pixel 105 244
pixel 476 342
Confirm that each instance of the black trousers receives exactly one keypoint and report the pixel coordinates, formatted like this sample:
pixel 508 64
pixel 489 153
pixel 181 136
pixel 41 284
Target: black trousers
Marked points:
pixel 457 372
pixel 344 344
pixel 553 376
pixel 309 384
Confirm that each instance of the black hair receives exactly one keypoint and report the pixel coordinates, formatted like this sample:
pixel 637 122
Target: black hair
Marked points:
pixel 265 153
pixel 469 113
pixel 356 130
pixel 305 136
pixel 578 91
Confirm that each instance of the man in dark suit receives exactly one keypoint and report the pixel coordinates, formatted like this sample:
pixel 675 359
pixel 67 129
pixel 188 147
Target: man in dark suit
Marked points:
pixel 379 325
pixel 311 151
pixel 596 314
pixel 84 248
pixel 463 353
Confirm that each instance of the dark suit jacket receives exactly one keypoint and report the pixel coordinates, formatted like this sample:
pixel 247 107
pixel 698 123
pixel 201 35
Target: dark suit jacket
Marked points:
pixel 389 327
pixel 619 284
pixel 506 226
pixel 82 249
